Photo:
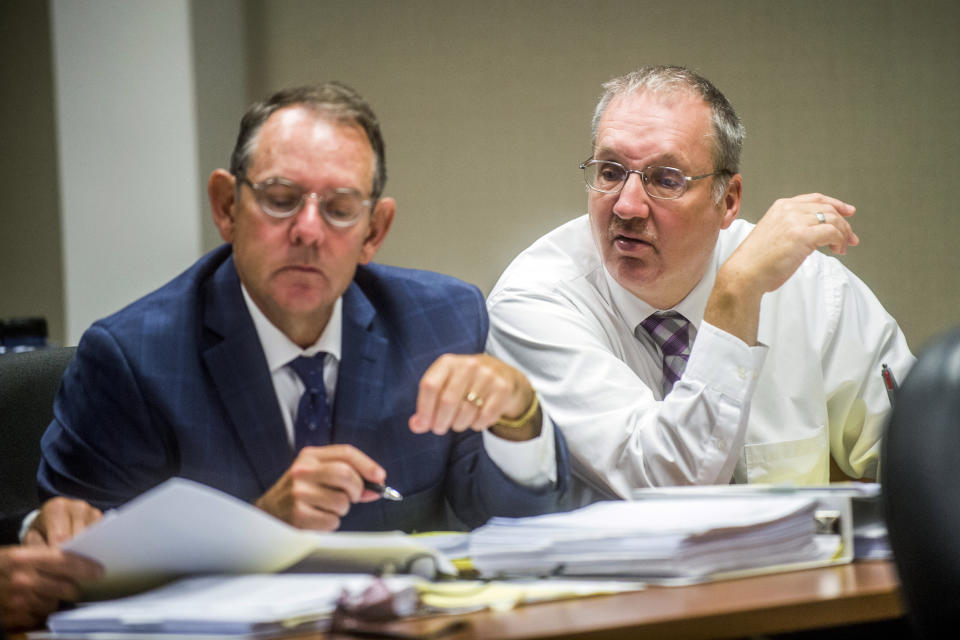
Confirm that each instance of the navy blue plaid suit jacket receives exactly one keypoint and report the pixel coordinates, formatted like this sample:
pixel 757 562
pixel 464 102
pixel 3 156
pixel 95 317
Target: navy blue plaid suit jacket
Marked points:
pixel 176 384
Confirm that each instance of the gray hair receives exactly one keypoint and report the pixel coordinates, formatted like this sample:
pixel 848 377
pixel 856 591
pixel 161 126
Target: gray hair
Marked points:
pixel 332 99
pixel 728 131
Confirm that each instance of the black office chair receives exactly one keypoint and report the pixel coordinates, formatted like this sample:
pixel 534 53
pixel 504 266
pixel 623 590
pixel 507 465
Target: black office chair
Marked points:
pixel 920 473
pixel 28 383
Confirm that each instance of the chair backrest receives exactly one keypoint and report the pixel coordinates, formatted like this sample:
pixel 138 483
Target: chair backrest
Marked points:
pixel 920 473
pixel 28 384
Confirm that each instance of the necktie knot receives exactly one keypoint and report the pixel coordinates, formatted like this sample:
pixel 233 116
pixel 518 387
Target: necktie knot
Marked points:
pixel 310 371
pixel 671 331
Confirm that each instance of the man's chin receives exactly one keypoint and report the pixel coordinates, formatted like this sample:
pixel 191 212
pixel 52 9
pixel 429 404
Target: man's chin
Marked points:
pixel 635 275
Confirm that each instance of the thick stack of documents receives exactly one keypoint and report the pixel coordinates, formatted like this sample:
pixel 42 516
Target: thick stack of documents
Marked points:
pixel 666 540
pixel 856 507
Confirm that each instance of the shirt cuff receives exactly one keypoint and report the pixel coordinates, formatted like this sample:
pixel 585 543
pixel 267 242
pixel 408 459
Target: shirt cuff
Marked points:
pixel 27 521
pixel 529 463
pixel 722 361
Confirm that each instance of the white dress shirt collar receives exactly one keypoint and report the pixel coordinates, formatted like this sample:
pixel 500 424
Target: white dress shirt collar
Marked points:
pixel 633 310
pixel 280 350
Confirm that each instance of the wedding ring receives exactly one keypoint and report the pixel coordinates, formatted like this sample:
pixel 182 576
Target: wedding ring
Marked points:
pixel 474 399
pixel 822 218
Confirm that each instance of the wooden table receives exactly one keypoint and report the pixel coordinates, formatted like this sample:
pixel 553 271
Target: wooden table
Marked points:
pixel 796 601
pixel 783 602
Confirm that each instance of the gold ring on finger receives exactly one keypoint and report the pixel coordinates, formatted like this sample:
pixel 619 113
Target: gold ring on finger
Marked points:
pixel 474 399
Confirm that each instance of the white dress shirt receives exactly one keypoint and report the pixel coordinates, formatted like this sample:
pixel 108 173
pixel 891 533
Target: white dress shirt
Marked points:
pixel 531 463
pixel 768 413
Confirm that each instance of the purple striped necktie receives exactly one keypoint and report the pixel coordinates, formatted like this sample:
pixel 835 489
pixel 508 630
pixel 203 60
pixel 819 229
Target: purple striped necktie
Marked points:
pixel 312 425
pixel 671 332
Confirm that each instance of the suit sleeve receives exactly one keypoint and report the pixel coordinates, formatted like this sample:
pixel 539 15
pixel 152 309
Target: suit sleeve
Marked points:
pixel 103 445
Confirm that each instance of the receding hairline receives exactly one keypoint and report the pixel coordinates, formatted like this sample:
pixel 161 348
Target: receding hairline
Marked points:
pixel 321 113
pixel 670 98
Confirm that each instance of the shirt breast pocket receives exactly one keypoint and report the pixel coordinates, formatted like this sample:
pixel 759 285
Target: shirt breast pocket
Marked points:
pixel 802 461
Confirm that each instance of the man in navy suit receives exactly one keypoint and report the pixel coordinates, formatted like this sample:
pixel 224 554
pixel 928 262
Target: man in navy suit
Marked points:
pixel 215 376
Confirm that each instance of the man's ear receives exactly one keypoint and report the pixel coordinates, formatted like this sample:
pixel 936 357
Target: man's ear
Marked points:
pixel 222 190
pixel 730 203
pixel 380 220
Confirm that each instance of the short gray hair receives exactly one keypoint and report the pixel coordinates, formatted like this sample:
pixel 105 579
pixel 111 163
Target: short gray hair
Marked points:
pixel 728 131
pixel 334 100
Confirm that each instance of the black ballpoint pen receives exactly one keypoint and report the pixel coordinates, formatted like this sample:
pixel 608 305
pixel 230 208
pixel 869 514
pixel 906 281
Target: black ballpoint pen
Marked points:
pixel 385 492
pixel 889 382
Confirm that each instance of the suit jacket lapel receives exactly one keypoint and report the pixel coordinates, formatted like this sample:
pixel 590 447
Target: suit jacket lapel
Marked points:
pixel 238 367
pixel 361 379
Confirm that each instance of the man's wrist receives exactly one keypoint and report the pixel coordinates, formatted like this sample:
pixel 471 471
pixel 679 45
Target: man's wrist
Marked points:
pixel 524 427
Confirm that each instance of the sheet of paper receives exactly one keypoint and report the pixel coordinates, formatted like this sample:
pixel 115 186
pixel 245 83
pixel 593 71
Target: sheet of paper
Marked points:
pixel 182 527
pixel 223 605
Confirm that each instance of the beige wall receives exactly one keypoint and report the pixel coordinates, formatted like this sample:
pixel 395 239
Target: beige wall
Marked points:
pixel 485 108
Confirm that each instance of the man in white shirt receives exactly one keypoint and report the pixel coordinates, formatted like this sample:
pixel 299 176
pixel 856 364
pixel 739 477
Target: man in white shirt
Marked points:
pixel 770 371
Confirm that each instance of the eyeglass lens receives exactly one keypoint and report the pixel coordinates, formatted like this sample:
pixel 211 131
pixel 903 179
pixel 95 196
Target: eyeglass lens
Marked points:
pixel 660 182
pixel 282 200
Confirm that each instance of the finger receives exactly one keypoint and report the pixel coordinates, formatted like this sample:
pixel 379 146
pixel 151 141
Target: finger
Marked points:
pixel 24 610
pixel 51 522
pixel 48 588
pixel 440 390
pixel 498 403
pixel 323 497
pixel 306 517
pixel 467 410
pixel 364 465
pixel 54 562
pixel 330 483
pixel 34 538
pixel 842 208
pixel 89 516
pixel 428 392
pixel 830 233
pixel 828 217
pixel 485 389
pixel 80 515
pixel 461 375
pixel 60 519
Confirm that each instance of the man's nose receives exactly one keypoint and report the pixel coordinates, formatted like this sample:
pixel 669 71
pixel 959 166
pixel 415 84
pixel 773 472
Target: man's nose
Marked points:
pixel 632 201
pixel 309 225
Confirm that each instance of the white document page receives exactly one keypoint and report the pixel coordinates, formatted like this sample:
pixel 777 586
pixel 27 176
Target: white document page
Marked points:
pixel 182 527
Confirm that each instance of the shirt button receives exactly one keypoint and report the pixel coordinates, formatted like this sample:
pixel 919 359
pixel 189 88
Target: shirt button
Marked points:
pixel 721 445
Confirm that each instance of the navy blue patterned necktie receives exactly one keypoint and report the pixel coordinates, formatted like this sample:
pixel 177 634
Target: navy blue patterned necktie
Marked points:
pixel 312 426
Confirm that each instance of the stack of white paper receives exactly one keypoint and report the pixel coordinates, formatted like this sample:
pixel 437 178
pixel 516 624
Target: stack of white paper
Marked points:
pixel 688 539
pixel 250 604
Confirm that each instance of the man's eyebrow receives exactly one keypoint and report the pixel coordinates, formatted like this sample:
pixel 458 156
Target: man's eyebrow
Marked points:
pixel 668 159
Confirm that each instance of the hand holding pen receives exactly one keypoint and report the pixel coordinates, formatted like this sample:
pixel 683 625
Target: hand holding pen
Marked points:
pixel 322 486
